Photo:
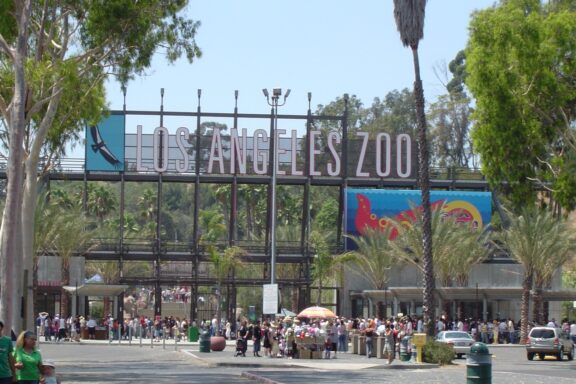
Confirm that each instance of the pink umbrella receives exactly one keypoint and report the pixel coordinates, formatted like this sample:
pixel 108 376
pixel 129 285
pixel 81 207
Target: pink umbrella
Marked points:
pixel 317 313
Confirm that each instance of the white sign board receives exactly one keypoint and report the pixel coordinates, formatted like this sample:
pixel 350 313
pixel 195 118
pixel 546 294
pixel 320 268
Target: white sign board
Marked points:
pixel 270 299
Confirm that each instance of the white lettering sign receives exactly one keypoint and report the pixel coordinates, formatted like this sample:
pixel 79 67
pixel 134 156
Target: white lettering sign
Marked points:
pixel 384 156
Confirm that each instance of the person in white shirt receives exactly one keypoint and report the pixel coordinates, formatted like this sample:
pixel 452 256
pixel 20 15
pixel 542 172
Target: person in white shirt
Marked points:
pixel 511 331
pixel 91 325
pixel 439 325
pixel 460 325
pixel 573 331
pixel 552 323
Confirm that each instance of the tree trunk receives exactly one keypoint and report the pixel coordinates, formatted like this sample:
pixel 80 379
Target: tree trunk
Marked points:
pixel 65 302
pixel 295 298
pixel 28 214
pixel 538 305
pixel 218 310
pixel 380 308
pixel 424 181
pixel 10 229
pixel 526 286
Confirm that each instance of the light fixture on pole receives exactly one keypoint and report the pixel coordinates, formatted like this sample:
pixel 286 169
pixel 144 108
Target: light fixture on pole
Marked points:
pixel 276 94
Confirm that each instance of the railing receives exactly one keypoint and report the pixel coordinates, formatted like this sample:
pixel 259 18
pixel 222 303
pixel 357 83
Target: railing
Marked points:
pixel 76 166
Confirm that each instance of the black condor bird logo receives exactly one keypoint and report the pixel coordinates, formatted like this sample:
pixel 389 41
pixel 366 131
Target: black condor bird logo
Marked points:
pixel 100 146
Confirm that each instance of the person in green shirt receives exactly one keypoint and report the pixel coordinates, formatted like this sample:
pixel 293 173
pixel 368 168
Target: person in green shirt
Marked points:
pixel 27 360
pixel 6 359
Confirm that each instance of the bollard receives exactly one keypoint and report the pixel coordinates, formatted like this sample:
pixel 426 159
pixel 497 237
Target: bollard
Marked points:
pixel 205 341
pixel 175 343
pixel 413 359
pixel 164 338
pixel 140 337
pixel 355 343
pixel 152 341
pixel 479 365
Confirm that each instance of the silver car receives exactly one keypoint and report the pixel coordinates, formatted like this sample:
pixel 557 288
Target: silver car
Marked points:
pixel 549 341
pixel 460 341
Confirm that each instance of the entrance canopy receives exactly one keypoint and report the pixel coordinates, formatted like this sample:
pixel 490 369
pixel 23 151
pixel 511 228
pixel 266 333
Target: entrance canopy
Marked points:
pixel 96 289
pixel 465 293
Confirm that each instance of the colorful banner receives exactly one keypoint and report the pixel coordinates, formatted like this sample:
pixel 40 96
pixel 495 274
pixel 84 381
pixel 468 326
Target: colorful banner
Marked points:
pixel 105 144
pixel 371 207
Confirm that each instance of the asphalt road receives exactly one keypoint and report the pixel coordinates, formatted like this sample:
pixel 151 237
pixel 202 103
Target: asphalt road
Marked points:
pixel 97 364
pixel 114 364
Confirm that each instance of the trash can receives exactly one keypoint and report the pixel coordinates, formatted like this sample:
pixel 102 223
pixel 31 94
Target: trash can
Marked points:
pixel 479 365
pixel 404 348
pixel 193 334
pixel 205 341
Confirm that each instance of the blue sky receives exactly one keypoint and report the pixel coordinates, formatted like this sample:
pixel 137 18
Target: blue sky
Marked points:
pixel 327 47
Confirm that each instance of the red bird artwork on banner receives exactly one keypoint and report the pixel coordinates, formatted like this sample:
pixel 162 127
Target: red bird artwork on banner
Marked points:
pixel 463 212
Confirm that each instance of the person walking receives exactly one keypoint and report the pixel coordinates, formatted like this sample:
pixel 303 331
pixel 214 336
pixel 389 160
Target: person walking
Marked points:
pixel 7 370
pixel 27 359
pixel 389 343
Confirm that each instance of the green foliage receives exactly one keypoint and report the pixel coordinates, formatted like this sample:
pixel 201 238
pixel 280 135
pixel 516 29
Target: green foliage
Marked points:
pixel 8 27
pixel 132 32
pixel 327 217
pixel 455 247
pixel 437 353
pixel 374 256
pixel 520 71
pixel 537 240
pixel 449 119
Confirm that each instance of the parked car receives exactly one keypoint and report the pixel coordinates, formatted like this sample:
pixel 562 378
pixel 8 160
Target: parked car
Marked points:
pixel 460 341
pixel 549 341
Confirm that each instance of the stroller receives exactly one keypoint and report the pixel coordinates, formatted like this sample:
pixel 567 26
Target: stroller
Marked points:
pixel 241 347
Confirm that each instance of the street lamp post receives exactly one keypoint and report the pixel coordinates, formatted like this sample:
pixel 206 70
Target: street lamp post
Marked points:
pixel 276 94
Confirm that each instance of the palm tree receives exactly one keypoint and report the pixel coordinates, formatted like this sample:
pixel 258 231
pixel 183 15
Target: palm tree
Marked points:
pixel 533 238
pixel 101 202
pixel 409 15
pixel 70 238
pixel 224 264
pixel 373 259
pixel 325 266
pixel 456 247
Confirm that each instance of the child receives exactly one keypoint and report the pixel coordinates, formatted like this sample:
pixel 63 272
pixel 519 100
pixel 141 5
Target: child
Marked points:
pixel 49 372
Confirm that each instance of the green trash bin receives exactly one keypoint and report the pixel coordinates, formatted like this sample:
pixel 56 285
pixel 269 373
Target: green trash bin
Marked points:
pixel 405 349
pixel 205 341
pixel 193 334
pixel 404 354
pixel 479 365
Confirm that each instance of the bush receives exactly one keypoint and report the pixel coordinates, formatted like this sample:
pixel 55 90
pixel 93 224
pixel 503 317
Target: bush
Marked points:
pixel 437 353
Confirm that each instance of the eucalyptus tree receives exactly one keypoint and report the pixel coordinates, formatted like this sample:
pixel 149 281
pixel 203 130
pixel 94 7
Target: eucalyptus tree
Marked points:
pixel 409 15
pixel 520 66
pixel 532 238
pixel 55 59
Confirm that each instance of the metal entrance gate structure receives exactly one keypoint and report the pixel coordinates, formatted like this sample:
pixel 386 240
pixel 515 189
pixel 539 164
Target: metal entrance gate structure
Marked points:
pixel 192 252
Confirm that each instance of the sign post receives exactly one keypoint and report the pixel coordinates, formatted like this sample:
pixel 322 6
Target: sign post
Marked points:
pixel 270 299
